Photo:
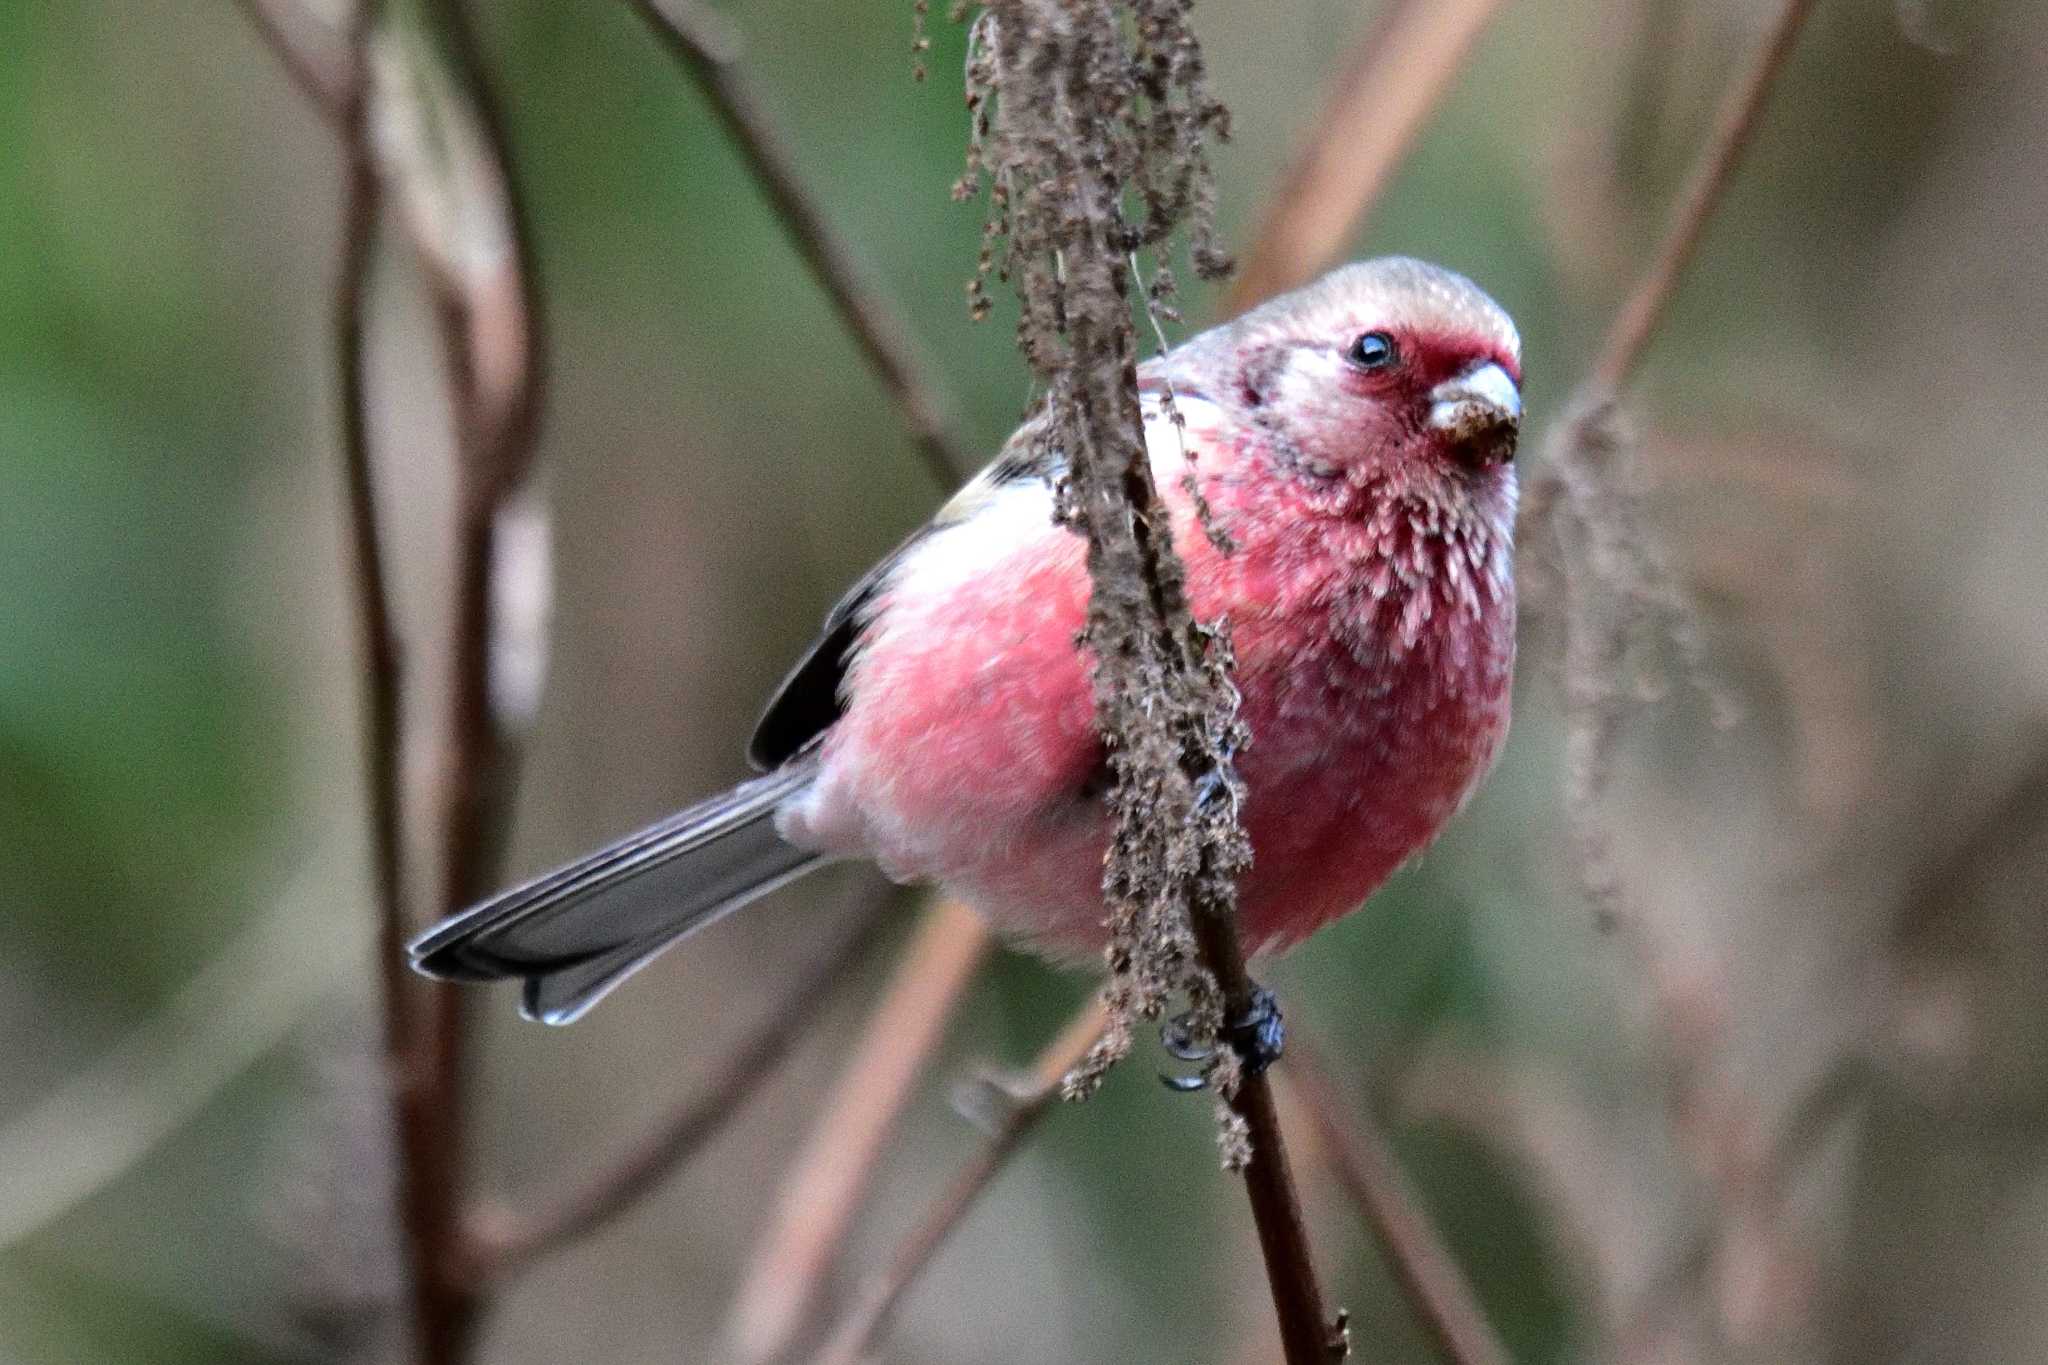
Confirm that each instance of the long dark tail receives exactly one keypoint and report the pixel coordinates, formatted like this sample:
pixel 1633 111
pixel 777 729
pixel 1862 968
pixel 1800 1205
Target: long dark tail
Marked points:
pixel 582 929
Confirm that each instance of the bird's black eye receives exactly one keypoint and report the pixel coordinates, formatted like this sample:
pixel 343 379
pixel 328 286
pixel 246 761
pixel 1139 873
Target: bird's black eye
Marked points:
pixel 1374 351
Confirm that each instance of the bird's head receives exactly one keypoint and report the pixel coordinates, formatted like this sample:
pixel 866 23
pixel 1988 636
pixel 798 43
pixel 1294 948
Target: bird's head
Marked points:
pixel 1390 366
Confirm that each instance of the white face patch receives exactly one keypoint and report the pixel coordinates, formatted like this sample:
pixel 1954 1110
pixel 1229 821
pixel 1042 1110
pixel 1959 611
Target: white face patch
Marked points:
pixel 1308 387
pixel 1307 378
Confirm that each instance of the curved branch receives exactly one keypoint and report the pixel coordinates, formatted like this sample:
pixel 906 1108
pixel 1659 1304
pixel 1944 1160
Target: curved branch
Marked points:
pixel 425 1203
pixel 829 1177
pixel 697 38
pixel 1365 1165
pixel 1393 78
pixel 861 1330
pixel 505 1243
pixel 487 304
pixel 1734 128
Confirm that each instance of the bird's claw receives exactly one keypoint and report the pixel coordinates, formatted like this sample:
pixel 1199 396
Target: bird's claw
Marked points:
pixel 1258 1037
pixel 1210 788
pixel 1177 1038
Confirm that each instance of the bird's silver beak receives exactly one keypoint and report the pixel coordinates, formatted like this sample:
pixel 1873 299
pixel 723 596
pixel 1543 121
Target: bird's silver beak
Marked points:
pixel 1480 412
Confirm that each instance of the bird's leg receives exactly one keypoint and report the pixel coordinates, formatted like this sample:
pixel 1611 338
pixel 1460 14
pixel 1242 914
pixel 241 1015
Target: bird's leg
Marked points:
pixel 1258 1037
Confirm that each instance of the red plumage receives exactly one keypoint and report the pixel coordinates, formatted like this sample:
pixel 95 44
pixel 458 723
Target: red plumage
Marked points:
pixel 1354 443
pixel 1371 605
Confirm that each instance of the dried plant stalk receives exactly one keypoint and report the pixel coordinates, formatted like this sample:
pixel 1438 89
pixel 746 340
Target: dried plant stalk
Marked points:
pixel 1621 599
pixel 1366 1166
pixel 506 1242
pixel 1617 587
pixel 695 36
pixel 828 1179
pixel 1074 126
pixel 1094 141
pixel 1391 82
pixel 1020 1106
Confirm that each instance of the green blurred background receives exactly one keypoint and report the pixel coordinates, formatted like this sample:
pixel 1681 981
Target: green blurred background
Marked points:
pixel 1845 433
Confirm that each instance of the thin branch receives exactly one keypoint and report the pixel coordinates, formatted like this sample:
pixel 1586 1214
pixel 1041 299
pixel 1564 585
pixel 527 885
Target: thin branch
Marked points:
pixel 425 1203
pixel 507 1242
pixel 487 303
pixel 377 634
pixel 341 91
pixel 830 1177
pixel 494 375
pixel 1365 1164
pixel 700 42
pixel 1616 583
pixel 1983 848
pixel 1734 129
pixel 1058 126
pixel 862 1328
pixel 1615 578
pixel 1306 1331
pixel 325 74
pixel 1392 80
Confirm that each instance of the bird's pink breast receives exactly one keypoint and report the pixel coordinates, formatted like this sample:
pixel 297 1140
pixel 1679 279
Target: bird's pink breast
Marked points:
pixel 968 754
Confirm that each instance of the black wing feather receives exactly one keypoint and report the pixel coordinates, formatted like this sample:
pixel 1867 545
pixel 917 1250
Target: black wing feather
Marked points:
pixel 809 698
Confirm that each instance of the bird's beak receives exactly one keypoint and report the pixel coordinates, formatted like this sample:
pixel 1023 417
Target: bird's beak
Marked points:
pixel 1479 412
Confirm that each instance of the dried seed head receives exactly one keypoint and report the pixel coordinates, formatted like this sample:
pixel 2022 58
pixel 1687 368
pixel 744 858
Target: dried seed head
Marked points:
pixel 1089 122
pixel 1620 603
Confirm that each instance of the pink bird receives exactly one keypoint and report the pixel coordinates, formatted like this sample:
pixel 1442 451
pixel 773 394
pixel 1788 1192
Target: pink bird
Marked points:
pixel 1354 440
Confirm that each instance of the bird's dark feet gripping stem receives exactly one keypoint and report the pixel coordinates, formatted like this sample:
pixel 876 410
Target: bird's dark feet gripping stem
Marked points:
pixel 1258 1037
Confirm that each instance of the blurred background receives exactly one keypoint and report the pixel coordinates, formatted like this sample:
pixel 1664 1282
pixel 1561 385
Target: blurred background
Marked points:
pixel 1801 1115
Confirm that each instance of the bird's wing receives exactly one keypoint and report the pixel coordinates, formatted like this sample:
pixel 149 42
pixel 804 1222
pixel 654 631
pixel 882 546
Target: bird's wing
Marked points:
pixel 809 700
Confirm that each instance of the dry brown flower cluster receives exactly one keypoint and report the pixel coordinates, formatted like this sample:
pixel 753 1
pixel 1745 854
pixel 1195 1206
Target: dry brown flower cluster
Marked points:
pixel 1089 126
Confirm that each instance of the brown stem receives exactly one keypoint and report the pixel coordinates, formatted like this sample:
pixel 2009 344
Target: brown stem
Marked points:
pixel 698 40
pixel 424 1203
pixel 1393 78
pixel 861 1330
pixel 1370 1173
pixel 1614 579
pixel 829 1178
pixel 1307 1334
pixel 505 1243
pixel 1986 844
pixel 423 1026
pixel 377 635
pixel 1734 128
pixel 495 422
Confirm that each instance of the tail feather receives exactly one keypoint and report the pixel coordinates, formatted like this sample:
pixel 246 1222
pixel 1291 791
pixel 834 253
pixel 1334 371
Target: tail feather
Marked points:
pixel 579 931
